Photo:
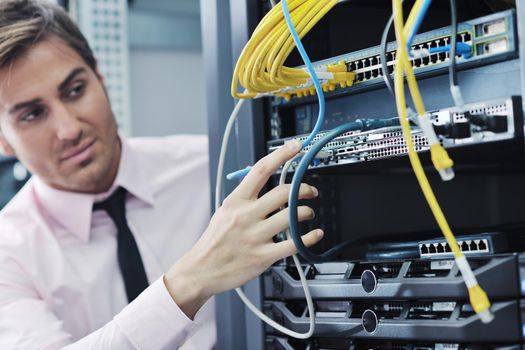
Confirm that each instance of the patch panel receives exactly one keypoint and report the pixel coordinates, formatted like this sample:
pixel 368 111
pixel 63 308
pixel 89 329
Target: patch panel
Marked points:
pixel 492 38
pixel 478 123
pixel 370 68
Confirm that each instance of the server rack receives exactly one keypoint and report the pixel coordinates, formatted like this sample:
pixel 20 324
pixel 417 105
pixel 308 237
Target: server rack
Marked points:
pixel 226 27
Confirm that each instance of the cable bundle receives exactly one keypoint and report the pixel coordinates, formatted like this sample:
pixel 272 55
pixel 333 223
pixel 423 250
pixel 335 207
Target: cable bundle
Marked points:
pixel 260 68
pixel 477 296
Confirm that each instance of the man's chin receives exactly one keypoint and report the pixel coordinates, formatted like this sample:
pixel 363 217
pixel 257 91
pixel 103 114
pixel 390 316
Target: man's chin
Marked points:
pixel 88 178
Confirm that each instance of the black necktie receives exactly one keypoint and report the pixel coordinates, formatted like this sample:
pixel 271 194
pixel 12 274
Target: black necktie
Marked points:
pixel 129 259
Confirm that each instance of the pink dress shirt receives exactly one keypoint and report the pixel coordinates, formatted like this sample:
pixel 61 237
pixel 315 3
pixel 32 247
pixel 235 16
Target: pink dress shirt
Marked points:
pixel 60 284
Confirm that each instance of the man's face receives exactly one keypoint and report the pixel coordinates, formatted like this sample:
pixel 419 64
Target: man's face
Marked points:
pixel 56 119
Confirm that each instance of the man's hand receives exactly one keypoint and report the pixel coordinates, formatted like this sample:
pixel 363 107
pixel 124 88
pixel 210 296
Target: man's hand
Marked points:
pixel 237 246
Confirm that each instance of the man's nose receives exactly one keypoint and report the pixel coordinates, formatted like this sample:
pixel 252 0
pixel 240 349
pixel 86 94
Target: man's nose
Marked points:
pixel 67 125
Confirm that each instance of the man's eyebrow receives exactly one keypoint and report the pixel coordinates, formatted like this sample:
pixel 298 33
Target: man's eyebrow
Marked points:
pixel 63 85
pixel 23 105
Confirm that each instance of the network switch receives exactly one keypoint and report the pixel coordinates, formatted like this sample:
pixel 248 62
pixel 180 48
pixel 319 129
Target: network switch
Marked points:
pixel 484 244
pixel 491 38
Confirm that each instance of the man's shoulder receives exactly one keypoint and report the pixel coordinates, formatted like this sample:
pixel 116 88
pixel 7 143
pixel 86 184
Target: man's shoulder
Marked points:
pixel 170 158
pixel 17 217
pixel 173 146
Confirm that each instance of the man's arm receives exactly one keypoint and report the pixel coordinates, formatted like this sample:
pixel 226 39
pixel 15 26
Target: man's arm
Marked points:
pixel 238 244
pixel 151 321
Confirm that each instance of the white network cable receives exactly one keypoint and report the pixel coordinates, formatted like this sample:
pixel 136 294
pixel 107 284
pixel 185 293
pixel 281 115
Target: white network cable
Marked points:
pixel 218 201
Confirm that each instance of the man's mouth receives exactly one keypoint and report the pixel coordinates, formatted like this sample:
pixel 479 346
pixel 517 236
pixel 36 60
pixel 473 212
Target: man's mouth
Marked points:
pixel 78 153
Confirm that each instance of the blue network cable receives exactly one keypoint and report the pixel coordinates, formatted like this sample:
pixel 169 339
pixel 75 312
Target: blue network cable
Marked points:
pixel 462 49
pixel 320 95
pixel 308 63
pixel 417 22
pixel 293 199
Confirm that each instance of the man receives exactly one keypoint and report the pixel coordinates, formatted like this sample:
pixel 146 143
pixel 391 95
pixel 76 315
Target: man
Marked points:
pixel 67 272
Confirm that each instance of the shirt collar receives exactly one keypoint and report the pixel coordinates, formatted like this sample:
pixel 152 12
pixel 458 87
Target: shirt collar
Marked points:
pixel 73 210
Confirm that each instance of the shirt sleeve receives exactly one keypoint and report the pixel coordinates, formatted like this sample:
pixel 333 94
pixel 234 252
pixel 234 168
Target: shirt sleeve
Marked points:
pixel 152 321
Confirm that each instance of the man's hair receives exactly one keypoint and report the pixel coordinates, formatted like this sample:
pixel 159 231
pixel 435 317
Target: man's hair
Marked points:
pixel 24 23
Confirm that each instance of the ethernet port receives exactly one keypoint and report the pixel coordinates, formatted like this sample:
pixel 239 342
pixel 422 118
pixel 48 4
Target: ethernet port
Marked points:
pixel 417 62
pixel 482 245
pixel 442 56
pixel 433 58
pixel 425 61
pixel 375 73
pixel 375 60
pixel 447 248
pixel 392 56
pixel 368 74
pixel 464 247
pixel 473 246
pixel 432 249
pixel 440 248
pixel 351 66
pixel 467 37
pixel 360 77
pixel 390 69
pixel 423 249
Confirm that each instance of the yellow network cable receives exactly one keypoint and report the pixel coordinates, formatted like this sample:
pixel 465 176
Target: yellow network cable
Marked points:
pixel 260 68
pixel 478 297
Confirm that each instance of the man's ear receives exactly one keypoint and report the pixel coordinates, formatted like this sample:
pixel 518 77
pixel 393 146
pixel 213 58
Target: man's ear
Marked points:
pixel 5 147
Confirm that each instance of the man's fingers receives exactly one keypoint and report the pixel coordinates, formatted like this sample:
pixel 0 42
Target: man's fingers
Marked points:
pixel 286 248
pixel 263 169
pixel 278 197
pixel 279 222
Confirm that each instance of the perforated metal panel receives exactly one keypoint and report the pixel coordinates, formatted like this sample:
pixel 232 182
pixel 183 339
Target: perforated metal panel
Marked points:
pixel 104 23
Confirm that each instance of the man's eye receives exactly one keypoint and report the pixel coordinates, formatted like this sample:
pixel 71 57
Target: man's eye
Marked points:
pixel 32 115
pixel 75 91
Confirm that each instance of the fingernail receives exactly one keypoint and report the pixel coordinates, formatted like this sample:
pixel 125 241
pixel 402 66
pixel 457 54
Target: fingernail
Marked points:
pixel 293 144
pixel 315 191
pixel 320 234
